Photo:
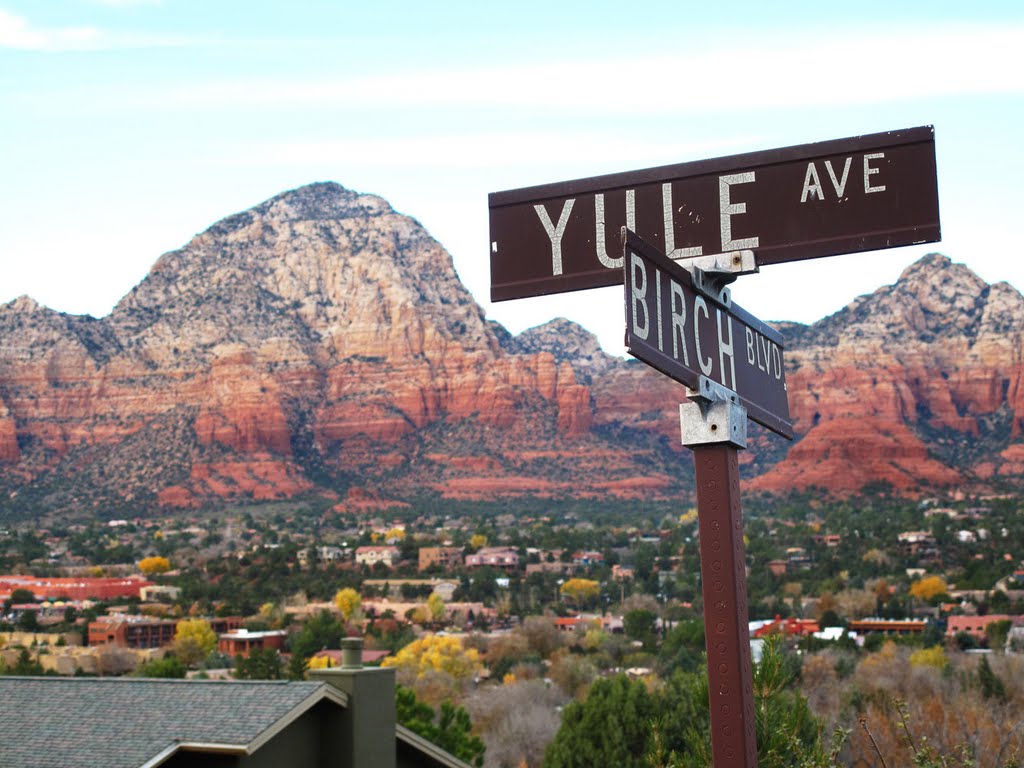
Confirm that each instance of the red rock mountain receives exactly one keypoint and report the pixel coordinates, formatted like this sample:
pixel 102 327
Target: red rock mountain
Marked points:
pixel 318 342
pixel 918 384
pixel 321 343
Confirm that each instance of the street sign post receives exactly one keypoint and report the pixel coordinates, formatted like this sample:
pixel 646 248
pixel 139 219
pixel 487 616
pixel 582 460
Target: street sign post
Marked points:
pixel 823 199
pixel 684 324
pixel 686 333
pixel 724 589
pixel 688 230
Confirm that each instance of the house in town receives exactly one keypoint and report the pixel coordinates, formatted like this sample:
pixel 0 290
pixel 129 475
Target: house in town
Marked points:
pixel 323 554
pixel 973 625
pixel 790 627
pixel 888 626
pixel 587 558
pixel 371 555
pixel 73 588
pixel 503 558
pixel 242 642
pixel 445 557
pixel 131 631
pixel 920 545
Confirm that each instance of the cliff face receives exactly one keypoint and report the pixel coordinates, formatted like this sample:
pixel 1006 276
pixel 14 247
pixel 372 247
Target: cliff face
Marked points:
pixel 320 334
pixel 322 343
pixel 917 384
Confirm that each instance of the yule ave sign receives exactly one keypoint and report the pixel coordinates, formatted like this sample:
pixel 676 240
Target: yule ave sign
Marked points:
pixel 823 199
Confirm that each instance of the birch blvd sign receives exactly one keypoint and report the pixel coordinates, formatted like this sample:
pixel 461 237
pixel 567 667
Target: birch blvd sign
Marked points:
pixel 803 202
pixel 682 333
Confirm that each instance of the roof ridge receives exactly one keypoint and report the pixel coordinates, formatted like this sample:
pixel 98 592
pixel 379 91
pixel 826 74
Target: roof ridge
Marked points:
pixel 163 680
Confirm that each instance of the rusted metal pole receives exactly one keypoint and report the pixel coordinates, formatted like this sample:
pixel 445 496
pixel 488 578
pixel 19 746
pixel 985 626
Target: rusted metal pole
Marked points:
pixel 714 426
pixel 724 587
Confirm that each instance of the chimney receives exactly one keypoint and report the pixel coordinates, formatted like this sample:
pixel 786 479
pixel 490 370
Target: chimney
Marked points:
pixel 366 733
pixel 352 653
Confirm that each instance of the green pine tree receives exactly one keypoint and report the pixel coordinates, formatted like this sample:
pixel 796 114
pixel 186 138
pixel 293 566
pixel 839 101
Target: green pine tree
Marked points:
pixel 452 730
pixel 611 727
pixel 992 686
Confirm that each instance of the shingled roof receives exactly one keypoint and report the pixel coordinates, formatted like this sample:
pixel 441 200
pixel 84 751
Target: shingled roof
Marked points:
pixel 135 722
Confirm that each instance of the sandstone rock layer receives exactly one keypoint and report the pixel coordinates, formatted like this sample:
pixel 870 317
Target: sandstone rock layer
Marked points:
pixel 321 343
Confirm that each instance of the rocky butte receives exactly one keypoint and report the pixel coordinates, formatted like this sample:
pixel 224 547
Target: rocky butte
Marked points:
pixel 322 344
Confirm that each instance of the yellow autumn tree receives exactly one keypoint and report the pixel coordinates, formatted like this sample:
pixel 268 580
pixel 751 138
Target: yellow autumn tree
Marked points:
pixel 477 540
pixel 928 588
pixel 580 591
pixel 151 566
pixel 349 602
pixel 320 662
pixel 930 657
pixel 194 640
pixel 419 615
pixel 273 615
pixel 436 653
pixel 594 638
pixel 435 604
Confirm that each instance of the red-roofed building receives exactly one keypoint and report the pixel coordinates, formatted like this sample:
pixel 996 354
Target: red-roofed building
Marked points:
pixel 587 558
pixel 889 626
pixel 130 631
pixel 790 627
pixel 242 642
pixel 973 625
pixel 74 588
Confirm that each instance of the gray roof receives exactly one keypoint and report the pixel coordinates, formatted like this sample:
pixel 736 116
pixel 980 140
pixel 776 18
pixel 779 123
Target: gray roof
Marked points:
pixel 134 722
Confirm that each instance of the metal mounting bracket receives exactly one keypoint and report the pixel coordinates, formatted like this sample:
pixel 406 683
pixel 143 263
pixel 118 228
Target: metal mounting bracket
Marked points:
pixel 713 415
pixel 711 274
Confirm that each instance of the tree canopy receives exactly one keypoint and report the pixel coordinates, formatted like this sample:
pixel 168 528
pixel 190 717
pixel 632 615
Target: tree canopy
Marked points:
pixel 580 591
pixel 194 640
pixel 437 653
pixel 349 602
pixel 928 588
pixel 451 729
pixel 610 727
pixel 622 723
pixel 167 667
pixel 151 566
pixel 260 664
pixel 322 630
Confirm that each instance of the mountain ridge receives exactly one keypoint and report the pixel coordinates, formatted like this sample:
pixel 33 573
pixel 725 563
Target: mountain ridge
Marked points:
pixel 321 341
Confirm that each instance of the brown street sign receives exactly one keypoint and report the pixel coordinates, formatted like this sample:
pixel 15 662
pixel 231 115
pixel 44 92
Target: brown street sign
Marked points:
pixel 824 199
pixel 685 334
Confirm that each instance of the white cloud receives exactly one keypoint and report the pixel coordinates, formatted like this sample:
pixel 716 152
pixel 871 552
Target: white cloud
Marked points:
pixel 796 69
pixel 470 151
pixel 126 3
pixel 17 33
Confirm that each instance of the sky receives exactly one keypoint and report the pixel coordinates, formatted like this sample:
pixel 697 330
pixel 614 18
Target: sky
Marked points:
pixel 129 126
